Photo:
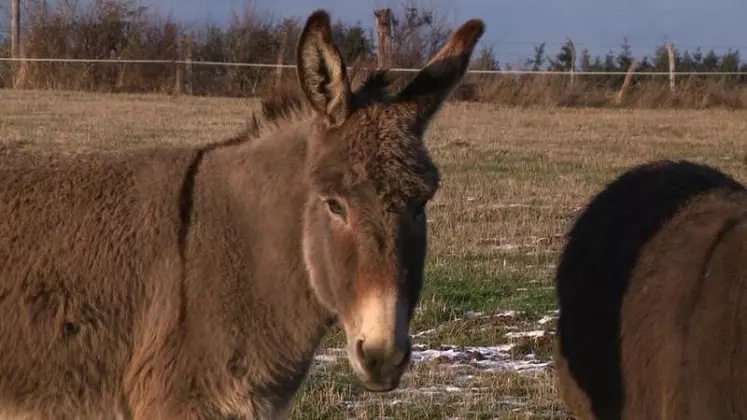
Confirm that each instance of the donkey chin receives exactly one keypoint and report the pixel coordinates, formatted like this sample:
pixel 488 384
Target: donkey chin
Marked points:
pixel 379 347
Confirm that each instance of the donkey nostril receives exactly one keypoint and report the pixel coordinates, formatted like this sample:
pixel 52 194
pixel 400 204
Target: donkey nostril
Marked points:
pixel 404 357
pixel 359 349
pixel 359 352
pixel 368 358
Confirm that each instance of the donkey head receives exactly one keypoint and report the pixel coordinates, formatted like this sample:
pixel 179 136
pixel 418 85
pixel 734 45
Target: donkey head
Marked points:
pixel 371 177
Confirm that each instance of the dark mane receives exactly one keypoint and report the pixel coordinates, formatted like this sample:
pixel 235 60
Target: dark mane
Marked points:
pixel 287 100
pixel 374 89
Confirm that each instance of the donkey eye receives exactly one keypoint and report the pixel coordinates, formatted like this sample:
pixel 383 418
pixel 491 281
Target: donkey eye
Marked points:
pixel 335 207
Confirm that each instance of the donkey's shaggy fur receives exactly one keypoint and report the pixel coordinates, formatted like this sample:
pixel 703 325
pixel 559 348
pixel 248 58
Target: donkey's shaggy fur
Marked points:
pixel 197 282
pixel 652 293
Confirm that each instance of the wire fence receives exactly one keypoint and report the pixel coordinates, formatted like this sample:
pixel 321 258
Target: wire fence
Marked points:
pixel 644 87
pixel 401 70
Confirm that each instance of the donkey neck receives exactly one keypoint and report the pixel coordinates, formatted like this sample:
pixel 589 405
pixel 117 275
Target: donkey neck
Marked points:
pixel 252 198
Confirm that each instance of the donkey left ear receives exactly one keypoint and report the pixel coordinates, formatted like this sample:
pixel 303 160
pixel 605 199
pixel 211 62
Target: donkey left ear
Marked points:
pixel 322 71
pixel 443 73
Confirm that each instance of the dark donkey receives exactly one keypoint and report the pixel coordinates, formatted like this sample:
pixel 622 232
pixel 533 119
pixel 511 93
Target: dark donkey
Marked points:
pixel 652 289
pixel 196 283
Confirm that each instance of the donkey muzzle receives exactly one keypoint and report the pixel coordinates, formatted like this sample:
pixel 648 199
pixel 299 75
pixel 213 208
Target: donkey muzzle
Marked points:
pixel 380 367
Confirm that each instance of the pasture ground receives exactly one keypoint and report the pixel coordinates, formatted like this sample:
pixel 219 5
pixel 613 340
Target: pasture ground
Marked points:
pixel 513 179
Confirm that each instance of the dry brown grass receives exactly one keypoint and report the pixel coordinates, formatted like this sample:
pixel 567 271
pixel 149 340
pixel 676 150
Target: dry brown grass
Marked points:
pixel 528 90
pixel 513 179
pixel 648 92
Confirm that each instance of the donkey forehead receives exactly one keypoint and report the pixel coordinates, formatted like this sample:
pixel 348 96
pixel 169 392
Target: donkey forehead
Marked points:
pixel 377 165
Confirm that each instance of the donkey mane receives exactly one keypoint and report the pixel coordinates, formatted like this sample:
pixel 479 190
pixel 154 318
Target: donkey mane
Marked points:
pixel 287 101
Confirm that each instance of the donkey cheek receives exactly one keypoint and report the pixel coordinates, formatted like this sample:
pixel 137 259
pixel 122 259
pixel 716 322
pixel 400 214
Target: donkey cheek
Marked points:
pixel 330 263
pixel 317 273
pixel 344 275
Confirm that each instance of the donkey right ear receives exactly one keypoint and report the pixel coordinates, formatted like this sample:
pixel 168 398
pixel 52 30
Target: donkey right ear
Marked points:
pixel 440 77
pixel 322 71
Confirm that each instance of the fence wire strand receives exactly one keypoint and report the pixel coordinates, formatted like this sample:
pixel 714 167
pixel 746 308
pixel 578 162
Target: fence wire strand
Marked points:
pixel 400 70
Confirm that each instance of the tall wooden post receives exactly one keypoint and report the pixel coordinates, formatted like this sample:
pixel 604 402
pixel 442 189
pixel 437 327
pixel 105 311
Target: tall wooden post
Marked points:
pixel 178 69
pixel 572 47
pixel 189 77
pixel 15 29
pixel 18 68
pixel 281 54
pixel 384 37
pixel 670 51
pixel 626 82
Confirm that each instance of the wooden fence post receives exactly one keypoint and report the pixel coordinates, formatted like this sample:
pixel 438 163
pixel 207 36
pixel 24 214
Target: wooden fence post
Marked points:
pixel 178 67
pixel 626 82
pixel 670 50
pixel 384 37
pixel 573 61
pixel 15 28
pixel 188 51
pixel 18 68
pixel 281 56
pixel 177 79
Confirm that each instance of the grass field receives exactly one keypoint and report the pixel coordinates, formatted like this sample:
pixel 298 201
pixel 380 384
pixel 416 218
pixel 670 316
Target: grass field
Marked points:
pixel 513 180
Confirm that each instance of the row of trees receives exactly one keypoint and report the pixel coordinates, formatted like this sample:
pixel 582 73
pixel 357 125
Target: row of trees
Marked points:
pixel 122 29
pixel 685 61
pixel 105 29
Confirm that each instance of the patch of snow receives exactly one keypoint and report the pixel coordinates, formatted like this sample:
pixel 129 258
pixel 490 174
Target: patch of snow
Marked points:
pixel 423 333
pixel 510 206
pixel 426 391
pixel 486 358
pixel 546 319
pixel 507 247
pixel 513 402
pixel 326 358
pixel 330 355
pixel 523 334
pixel 498 206
pixel 493 358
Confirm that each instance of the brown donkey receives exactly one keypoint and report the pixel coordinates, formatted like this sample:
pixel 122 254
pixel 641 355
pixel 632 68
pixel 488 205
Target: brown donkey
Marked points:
pixel 197 283
pixel 652 289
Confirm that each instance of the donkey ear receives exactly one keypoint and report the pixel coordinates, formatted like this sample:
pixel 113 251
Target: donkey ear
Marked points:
pixel 443 73
pixel 322 71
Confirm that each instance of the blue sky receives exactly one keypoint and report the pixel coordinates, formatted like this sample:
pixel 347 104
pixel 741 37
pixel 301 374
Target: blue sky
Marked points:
pixel 514 26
